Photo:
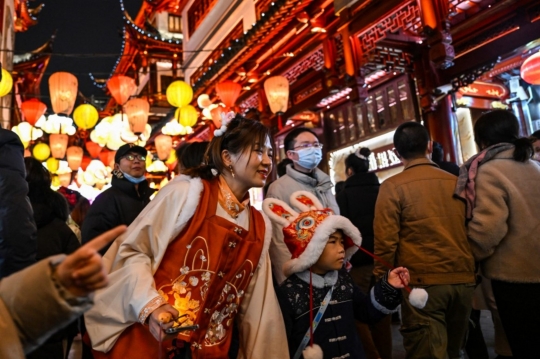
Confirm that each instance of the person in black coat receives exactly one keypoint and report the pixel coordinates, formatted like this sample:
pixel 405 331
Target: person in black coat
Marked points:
pixel 54 237
pixel 437 156
pixel 125 199
pixel 18 242
pixel 357 203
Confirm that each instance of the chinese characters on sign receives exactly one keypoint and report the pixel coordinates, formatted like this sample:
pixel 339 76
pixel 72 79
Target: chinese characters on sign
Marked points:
pixel 383 158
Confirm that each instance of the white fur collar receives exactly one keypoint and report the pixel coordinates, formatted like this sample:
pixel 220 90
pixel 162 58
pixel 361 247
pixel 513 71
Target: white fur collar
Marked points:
pixel 329 279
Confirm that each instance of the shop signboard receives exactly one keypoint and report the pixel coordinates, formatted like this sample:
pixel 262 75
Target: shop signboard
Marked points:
pixel 485 90
pixel 383 158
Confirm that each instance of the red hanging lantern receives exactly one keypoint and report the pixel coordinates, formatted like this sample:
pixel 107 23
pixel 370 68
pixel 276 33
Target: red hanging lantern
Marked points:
pixel 85 162
pixel 530 70
pixel 216 116
pixel 93 149
pixel 33 109
pixel 121 88
pixel 228 91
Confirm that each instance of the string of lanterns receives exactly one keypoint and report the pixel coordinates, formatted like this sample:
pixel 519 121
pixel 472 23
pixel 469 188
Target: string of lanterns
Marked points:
pixel 86 144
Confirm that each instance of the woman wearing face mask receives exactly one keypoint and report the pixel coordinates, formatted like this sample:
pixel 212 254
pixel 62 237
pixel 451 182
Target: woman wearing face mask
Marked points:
pixel 302 147
pixel 197 255
pixel 125 199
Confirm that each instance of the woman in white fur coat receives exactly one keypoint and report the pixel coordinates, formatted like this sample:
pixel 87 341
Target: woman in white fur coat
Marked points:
pixel 197 255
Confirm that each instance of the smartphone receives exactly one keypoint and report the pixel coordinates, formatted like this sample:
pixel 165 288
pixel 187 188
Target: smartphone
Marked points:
pixel 179 329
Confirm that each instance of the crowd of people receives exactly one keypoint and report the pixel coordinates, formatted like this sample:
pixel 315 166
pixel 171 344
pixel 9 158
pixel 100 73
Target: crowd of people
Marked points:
pixel 200 273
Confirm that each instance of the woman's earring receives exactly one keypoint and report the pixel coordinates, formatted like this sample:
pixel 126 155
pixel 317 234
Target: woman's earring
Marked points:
pixel 231 169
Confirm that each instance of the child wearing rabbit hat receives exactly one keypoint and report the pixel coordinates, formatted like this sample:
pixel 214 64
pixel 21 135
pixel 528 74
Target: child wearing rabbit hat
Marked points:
pixel 317 289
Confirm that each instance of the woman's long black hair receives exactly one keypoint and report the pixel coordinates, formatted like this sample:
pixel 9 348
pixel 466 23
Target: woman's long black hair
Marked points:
pixel 500 126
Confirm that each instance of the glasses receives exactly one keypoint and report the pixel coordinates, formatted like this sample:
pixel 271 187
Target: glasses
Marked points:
pixel 133 157
pixel 309 145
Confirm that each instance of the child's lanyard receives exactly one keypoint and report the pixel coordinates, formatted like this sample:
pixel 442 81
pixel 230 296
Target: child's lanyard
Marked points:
pixel 316 321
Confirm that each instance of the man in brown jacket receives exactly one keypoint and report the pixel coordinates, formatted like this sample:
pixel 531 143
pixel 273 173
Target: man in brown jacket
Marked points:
pixel 37 301
pixel 421 226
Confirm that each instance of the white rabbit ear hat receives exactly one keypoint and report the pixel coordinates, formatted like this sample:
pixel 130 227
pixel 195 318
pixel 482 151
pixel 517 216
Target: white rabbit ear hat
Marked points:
pixel 306 233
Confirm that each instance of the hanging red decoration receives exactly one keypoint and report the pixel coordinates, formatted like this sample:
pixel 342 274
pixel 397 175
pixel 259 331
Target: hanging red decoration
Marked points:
pixel 121 88
pixel 85 162
pixel 93 149
pixel 228 91
pixel 530 70
pixel 33 109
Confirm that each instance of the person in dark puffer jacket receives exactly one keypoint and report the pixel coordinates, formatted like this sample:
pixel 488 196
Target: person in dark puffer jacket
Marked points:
pixel 357 203
pixel 18 244
pixel 53 237
pixel 125 199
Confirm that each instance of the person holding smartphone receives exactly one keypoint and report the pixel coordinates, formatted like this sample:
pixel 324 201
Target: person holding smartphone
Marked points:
pixel 197 255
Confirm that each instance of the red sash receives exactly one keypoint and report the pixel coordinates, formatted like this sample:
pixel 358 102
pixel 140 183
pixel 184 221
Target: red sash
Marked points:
pixel 204 273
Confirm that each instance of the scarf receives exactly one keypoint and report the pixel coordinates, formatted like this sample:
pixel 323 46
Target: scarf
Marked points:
pixel 228 200
pixel 465 187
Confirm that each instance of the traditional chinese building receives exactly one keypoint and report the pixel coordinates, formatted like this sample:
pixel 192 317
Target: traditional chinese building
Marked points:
pixel 15 16
pixel 356 69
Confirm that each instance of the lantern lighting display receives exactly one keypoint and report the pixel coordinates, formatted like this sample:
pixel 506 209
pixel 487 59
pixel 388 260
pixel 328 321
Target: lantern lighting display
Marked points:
pixel 163 146
pixel 137 112
pixel 277 93
pixel 179 94
pixel 85 116
pixel 228 91
pixel 63 90
pixel 41 152
pixel 6 83
pixel 58 143
pixel 121 88
pixel 74 157
pixel 187 116
pixel 530 70
pixel 32 110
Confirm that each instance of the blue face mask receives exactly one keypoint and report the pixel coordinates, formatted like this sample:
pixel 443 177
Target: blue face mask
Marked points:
pixel 309 157
pixel 134 180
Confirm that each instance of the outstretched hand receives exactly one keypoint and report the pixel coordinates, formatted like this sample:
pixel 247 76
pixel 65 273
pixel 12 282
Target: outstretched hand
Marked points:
pixel 399 277
pixel 82 272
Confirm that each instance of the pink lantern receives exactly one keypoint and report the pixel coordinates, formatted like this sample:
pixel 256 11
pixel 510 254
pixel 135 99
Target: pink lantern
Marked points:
pixel 65 179
pixel 137 110
pixel 163 146
pixel 121 88
pixel 63 89
pixel 216 116
pixel 58 144
pixel 74 157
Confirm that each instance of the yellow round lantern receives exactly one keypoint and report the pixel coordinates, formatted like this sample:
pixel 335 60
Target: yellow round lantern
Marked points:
pixel 187 116
pixel 172 157
pixel 6 84
pixel 41 152
pixel 179 94
pixel 53 164
pixel 55 181
pixel 85 116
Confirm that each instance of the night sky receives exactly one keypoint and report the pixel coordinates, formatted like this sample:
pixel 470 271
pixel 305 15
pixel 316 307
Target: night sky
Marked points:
pixel 91 28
